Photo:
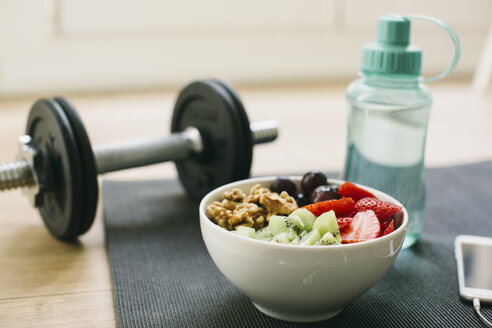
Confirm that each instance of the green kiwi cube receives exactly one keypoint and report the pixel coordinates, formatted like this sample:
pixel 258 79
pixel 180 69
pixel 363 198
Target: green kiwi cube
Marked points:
pixel 328 239
pixel 307 218
pixel 327 222
pixel 310 238
pixel 279 224
pixel 282 238
pixel 292 234
pixel 303 234
pixel 295 241
pixel 264 234
pixel 246 231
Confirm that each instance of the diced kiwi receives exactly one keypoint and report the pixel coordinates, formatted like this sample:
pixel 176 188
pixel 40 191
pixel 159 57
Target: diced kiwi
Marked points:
pixel 246 231
pixel 307 218
pixel 328 239
pixel 279 224
pixel 311 237
pixel 264 234
pixel 295 241
pixel 282 238
pixel 292 234
pixel 285 237
pixel 303 234
pixel 327 222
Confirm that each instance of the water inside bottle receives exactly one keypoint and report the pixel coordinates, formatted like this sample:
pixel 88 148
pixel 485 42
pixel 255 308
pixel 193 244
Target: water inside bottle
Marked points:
pixel 386 151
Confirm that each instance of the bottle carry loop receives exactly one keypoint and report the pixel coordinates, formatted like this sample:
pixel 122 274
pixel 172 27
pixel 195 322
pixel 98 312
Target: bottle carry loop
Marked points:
pixel 456 42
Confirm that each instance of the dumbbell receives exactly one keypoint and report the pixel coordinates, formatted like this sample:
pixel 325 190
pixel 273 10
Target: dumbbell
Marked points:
pixel 211 143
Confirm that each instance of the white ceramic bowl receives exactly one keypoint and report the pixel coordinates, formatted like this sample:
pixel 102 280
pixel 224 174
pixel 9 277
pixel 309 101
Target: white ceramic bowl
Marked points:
pixel 294 282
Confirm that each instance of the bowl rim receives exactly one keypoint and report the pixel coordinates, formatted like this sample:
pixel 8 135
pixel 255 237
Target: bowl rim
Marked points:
pixel 207 199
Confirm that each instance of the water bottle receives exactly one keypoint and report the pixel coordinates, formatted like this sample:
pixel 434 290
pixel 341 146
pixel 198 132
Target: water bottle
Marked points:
pixel 388 112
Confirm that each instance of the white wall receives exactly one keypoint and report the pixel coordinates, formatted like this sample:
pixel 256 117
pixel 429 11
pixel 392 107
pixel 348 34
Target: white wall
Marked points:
pixel 95 45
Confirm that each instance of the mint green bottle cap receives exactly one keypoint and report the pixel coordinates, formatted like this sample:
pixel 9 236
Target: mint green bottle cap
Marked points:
pixel 392 52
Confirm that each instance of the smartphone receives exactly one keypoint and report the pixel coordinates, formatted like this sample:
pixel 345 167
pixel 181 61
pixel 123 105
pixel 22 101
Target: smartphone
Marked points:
pixel 474 262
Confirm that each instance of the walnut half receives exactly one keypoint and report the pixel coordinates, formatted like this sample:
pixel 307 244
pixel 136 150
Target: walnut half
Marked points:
pixel 254 210
pixel 276 204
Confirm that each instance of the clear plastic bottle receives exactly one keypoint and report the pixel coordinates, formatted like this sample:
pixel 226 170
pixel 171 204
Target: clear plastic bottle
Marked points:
pixel 388 113
pixel 387 125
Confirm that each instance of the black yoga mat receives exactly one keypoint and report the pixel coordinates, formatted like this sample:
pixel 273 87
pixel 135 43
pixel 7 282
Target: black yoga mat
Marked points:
pixel 164 277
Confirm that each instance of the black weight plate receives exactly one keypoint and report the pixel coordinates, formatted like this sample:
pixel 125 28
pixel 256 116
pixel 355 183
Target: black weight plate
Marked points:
pixel 61 204
pixel 220 117
pixel 246 141
pixel 89 185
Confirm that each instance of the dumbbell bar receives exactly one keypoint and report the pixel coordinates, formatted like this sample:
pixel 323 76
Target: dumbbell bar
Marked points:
pixel 175 147
pixel 211 144
pixel 124 155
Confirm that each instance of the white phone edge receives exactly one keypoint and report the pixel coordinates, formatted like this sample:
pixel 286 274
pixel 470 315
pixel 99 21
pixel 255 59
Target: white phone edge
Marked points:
pixel 468 293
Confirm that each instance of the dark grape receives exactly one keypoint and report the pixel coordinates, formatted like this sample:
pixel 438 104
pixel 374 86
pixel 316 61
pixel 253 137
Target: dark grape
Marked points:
pixel 311 180
pixel 324 192
pixel 335 188
pixel 283 184
pixel 302 200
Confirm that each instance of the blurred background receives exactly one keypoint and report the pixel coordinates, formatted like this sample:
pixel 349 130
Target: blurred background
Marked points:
pixel 98 45
pixel 122 63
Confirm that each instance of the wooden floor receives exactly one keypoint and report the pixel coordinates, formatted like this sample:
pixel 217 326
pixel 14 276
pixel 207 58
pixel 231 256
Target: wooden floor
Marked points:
pixel 47 283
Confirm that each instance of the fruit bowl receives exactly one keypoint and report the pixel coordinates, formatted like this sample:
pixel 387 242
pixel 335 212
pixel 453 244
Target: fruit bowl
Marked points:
pixel 295 282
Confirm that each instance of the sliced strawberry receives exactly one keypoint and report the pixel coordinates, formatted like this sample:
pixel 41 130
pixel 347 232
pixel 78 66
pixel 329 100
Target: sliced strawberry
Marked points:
pixel 349 234
pixel 398 218
pixel 385 224
pixel 369 226
pixel 343 222
pixel 342 207
pixel 350 190
pixel 390 228
pixel 382 209
pixel 364 226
